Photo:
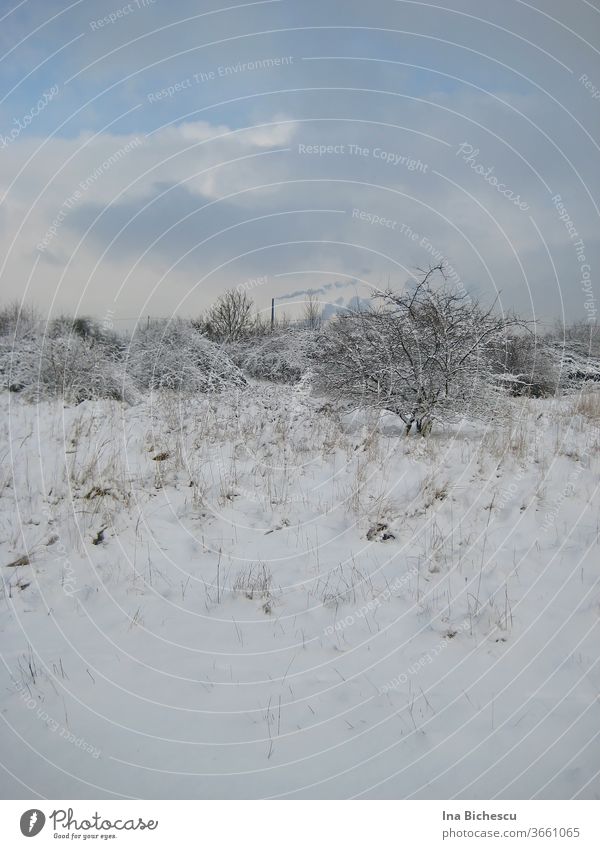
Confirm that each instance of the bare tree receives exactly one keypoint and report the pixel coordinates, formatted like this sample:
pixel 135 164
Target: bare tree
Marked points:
pixel 425 353
pixel 230 317
pixel 313 313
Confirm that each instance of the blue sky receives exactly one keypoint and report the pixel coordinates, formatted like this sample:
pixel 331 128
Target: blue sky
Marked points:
pixel 207 187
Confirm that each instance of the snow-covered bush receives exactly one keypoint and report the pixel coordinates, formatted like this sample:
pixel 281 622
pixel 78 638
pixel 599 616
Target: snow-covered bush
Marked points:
pixel 173 355
pixel 85 327
pixel 279 357
pixel 529 366
pixel 425 353
pixel 76 368
pixel 78 360
pixel 583 336
pixel 18 321
pixel 575 364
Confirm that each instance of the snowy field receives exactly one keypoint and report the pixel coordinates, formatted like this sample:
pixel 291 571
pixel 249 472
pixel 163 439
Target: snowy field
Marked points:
pixel 250 595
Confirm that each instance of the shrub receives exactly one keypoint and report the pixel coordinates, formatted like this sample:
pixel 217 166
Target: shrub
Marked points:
pixel 173 355
pixel 279 357
pixel 86 328
pixel 529 366
pixel 424 354
pixel 76 368
pixel 19 321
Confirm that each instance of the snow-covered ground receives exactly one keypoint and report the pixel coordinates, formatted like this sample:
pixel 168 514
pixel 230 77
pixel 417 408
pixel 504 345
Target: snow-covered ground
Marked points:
pixel 249 595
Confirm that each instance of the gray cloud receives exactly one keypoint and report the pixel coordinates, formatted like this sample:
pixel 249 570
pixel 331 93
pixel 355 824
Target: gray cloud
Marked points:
pixel 206 202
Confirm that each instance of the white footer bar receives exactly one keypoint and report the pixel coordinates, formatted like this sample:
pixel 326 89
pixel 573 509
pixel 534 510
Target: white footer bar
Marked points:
pixel 302 824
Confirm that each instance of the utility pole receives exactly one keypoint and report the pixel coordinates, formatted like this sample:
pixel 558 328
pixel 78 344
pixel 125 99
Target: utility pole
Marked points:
pixel 272 313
